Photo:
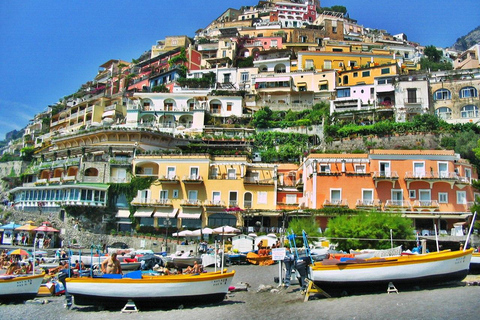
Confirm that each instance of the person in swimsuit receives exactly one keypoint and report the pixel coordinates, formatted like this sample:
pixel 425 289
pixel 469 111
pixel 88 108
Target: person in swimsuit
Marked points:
pixel 111 265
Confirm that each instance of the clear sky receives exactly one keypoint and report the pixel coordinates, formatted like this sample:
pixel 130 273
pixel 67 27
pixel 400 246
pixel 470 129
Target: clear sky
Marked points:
pixel 49 48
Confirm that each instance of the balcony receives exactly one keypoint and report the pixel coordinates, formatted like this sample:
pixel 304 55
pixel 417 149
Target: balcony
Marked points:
pixel 397 205
pixel 257 181
pixel 168 179
pixel 426 205
pixel 192 203
pixel 391 176
pixel 192 179
pixel 374 204
pixel 299 184
pixel 214 203
pixel 142 201
pixel 335 204
pixel 431 177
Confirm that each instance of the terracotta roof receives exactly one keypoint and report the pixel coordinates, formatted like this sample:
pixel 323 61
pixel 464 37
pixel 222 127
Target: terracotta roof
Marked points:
pixel 339 155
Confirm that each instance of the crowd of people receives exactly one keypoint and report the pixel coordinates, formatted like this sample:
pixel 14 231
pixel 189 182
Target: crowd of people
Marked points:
pixel 13 264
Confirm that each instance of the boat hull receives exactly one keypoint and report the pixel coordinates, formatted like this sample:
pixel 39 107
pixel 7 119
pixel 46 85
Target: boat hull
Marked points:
pixel 19 288
pixel 475 263
pixel 151 291
pixel 402 271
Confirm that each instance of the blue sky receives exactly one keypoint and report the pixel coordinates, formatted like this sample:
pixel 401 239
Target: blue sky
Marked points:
pixel 50 48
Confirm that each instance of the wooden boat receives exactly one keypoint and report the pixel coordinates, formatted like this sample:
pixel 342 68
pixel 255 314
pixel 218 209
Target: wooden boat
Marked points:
pixel 261 260
pixel 148 291
pixel 19 287
pixel 362 275
pixel 475 263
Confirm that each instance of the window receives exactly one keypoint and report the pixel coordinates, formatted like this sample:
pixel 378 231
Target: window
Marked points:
pixel 226 78
pixel 343 93
pixel 232 199
pixel 444 113
pixel 273 43
pixel 325 168
pixel 469 111
pixel 309 64
pixel 303 39
pixel 468 92
pixel 468 173
pixel 171 172
pixel 231 174
pixel 291 199
pixel 442 94
pixel 216 199
pixel 194 173
pixel 327 64
pixel 367 197
pixel 229 106
pixel 442 197
pixel 336 196
pixel 163 195
pixel 175 194
pixel 419 169
pixel 461 197
pixel 148 171
pixel 323 86
pixel 365 73
pixel 385 71
pixel 262 197
pixel 360 168
pixel 355 74
pixel 412 194
pixel 192 196
pixel 244 76
pixel 412 95
pixel 224 54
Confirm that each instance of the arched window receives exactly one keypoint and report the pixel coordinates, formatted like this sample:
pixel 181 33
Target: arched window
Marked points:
pixel 442 94
pixel 444 113
pixel 280 68
pixel 469 111
pixel 468 92
pixel 263 68
pixel 91 172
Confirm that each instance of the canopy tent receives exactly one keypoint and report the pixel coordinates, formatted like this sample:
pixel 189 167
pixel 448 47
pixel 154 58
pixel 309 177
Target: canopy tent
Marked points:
pixel 27 227
pixel 45 228
pixel 10 226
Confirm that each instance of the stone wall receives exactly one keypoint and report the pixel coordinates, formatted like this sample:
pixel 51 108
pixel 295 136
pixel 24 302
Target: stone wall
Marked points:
pixel 409 141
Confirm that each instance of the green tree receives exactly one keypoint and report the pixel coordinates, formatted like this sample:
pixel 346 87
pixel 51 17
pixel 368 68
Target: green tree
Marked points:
pixel 262 117
pixel 347 230
pixel 432 53
pixel 309 225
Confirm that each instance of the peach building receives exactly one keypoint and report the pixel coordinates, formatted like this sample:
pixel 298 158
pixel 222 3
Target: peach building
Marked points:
pixel 428 186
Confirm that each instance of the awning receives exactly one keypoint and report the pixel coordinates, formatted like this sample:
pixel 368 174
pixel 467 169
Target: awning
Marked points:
pixel 143 213
pixel 276 79
pixel 165 213
pixel 123 213
pixel 109 113
pixel 195 214
pixel 301 84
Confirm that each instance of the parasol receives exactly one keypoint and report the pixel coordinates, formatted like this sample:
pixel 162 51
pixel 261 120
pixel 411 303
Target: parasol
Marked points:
pixel 19 252
pixel 184 233
pixel 225 230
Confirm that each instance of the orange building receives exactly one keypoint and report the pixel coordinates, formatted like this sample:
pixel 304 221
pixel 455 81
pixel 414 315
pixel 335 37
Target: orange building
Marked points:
pixel 428 186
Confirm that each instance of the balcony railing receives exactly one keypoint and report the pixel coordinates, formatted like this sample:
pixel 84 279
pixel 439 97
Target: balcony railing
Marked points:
pixel 214 203
pixel 256 180
pixel 191 203
pixel 335 203
pixel 400 205
pixel 362 203
pixel 426 204
pixel 192 179
pixel 431 175
pixel 385 175
pixel 168 179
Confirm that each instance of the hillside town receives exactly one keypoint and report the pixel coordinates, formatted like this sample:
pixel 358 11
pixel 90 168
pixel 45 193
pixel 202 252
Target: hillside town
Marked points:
pixel 169 141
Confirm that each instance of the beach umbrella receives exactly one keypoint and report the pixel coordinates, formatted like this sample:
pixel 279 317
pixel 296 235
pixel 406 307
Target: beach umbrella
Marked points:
pixel 253 235
pixel 10 226
pixel 225 230
pixel 19 252
pixel 199 232
pixel 184 233
pixel 27 227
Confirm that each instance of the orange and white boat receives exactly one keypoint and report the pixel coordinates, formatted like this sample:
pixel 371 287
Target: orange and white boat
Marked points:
pixel 430 268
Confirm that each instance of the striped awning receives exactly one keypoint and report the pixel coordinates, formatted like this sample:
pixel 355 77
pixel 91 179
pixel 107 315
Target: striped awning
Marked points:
pixel 190 214
pixel 123 213
pixel 165 213
pixel 143 213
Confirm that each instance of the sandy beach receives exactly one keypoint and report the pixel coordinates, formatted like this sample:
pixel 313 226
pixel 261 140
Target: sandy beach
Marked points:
pixel 452 301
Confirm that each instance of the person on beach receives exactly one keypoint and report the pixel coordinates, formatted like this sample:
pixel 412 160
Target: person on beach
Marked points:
pixel 111 265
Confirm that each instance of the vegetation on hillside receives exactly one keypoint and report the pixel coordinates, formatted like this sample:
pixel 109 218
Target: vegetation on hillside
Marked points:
pixel 433 60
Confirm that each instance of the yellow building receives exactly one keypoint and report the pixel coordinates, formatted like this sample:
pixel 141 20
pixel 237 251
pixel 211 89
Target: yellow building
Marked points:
pixel 366 75
pixel 199 190
pixel 340 57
